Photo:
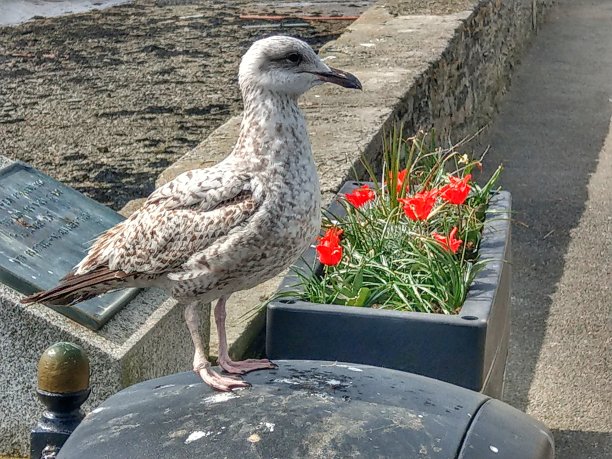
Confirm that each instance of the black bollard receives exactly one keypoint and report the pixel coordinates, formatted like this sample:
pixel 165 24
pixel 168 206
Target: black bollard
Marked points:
pixel 63 386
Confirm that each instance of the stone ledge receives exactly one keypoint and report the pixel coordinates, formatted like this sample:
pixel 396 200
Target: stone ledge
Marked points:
pixel 145 340
pixel 445 71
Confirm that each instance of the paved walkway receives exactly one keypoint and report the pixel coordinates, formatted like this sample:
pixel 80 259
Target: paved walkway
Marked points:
pixel 555 138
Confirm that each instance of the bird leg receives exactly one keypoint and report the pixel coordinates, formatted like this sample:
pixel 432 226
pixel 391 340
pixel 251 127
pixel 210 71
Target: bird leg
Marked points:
pixel 200 364
pixel 225 361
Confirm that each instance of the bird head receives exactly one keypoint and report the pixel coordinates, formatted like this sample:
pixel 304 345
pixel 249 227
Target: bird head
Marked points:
pixel 286 65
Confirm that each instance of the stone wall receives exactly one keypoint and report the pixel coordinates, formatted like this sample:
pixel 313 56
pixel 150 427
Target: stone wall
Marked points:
pixel 460 92
pixel 435 64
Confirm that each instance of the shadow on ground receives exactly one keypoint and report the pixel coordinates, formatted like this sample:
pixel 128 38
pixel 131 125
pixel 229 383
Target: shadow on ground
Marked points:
pixel 572 444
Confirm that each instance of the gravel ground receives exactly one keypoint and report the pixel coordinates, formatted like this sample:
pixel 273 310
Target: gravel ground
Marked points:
pixel 105 100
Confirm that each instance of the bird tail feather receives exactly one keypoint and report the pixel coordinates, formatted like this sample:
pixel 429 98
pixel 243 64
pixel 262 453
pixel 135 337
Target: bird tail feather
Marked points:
pixel 76 288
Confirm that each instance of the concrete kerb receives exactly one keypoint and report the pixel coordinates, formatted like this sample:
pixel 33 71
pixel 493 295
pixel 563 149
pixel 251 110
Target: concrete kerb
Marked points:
pixel 447 72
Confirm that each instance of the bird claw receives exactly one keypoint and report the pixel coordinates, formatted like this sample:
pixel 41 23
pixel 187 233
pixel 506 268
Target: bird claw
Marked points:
pixel 246 366
pixel 219 382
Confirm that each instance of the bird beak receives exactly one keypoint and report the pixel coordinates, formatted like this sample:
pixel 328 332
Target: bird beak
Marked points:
pixel 339 77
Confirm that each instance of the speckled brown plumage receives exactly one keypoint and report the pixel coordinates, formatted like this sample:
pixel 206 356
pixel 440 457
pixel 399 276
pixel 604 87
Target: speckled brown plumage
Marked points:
pixel 211 232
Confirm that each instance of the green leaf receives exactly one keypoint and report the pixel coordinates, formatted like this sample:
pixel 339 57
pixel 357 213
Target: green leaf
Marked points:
pixel 358 281
pixel 361 298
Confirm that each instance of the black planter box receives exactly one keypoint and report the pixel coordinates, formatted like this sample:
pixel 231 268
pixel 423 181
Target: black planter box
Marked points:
pixel 468 349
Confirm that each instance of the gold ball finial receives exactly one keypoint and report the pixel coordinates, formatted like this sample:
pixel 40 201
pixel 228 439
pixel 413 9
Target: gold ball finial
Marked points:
pixel 63 368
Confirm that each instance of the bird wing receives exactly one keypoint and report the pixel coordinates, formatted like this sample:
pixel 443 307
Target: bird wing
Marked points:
pixel 206 188
pixel 179 219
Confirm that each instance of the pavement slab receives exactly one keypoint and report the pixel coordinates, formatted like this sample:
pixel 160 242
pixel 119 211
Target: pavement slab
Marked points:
pixel 554 136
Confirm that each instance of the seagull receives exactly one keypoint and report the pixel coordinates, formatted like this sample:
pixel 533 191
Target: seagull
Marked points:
pixel 212 232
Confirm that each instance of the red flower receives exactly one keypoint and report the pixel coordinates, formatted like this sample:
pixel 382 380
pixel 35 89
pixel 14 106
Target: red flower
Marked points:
pixel 419 206
pixel 329 248
pixel 457 190
pixel 360 196
pixel 401 176
pixel 450 243
pixel 332 236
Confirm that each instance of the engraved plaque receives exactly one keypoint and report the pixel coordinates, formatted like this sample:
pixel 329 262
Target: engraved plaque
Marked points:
pixel 45 230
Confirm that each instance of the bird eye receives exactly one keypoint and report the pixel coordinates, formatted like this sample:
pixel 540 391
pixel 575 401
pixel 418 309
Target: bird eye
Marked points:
pixel 294 58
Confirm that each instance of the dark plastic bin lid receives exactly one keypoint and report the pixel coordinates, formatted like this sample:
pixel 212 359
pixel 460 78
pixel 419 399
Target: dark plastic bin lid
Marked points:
pixel 303 409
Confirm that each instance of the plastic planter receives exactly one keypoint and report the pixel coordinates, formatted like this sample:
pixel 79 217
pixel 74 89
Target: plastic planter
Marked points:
pixel 468 349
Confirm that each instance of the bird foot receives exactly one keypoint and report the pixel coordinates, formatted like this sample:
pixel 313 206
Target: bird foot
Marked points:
pixel 245 366
pixel 219 382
